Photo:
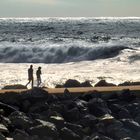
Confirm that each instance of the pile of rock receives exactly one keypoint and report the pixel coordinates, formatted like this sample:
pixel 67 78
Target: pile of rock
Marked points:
pixel 37 115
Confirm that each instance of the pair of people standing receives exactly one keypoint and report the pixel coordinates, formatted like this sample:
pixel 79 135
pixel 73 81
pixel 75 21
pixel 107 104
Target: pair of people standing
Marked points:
pixel 31 77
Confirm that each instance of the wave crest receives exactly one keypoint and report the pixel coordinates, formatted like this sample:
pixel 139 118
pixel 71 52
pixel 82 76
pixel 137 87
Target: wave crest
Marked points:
pixel 57 54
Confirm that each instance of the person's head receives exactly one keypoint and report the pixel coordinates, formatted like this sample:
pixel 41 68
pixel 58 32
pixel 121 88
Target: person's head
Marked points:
pixel 39 68
pixel 31 66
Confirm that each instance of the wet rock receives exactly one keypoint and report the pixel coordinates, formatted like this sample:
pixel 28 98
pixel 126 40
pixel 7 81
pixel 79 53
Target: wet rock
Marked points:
pixel 76 128
pixel 3 128
pixel 44 129
pixel 128 83
pixel 127 138
pixel 119 111
pixel 98 107
pixel 131 124
pixel 102 83
pixel 67 134
pixel 20 135
pixel 90 95
pixel 26 105
pixel 59 108
pixel 20 120
pixel 127 96
pixel 2 137
pixel 39 107
pixel 89 121
pixel 124 113
pixel 72 115
pixel 98 136
pixel 137 118
pixel 116 130
pixel 86 84
pixel 18 86
pixel 107 119
pixel 58 121
pixel 7 108
pixel 72 83
pixel 10 98
pixel 82 106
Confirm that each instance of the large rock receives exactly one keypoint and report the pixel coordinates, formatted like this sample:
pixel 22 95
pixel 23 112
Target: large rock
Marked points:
pixel 67 134
pixel 72 83
pixel 103 83
pixel 86 84
pixel 7 109
pixel 119 111
pixel 89 95
pixel 18 86
pixel 3 128
pixel 128 83
pixel 10 98
pixel 98 107
pixel 89 121
pixel 127 95
pixel 39 107
pixel 76 128
pixel 58 121
pixel 131 124
pixel 44 129
pixel 20 120
pixel 72 115
pixel 2 137
pixel 117 131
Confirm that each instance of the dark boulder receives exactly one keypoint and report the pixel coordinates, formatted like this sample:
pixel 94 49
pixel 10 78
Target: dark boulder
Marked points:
pixel 128 83
pixel 72 115
pixel 76 128
pixel 86 84
pixel 44 129
pixel 38 107
pixel 131 124
pixel 20 120
pixel 98 107
pixel 18 86
pixel 103 83
pixel 88 121
pixel 7 109
pixel 89 95
pixel 127 95
pixel 67 134
pixel 58 121
pixel 72 83
pixel 10 98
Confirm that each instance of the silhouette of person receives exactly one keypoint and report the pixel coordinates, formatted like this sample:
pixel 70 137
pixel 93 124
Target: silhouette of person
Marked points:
pixel 38 75
pixel 30 76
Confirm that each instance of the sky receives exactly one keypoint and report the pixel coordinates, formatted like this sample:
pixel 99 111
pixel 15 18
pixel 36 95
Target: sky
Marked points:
pixel 69 8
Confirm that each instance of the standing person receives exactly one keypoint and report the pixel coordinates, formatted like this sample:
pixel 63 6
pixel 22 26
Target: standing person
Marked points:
pixel 30 76
pixel 38 75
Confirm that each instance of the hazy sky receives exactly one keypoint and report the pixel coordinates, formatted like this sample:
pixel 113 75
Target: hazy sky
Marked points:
pixel 69 8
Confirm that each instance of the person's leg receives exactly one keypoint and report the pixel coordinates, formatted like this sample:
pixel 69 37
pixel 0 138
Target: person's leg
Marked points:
pixel 32 83
pixel 28 83
pixel 37 82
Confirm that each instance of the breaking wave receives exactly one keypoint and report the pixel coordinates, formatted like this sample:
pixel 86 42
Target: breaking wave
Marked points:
pixel 57 54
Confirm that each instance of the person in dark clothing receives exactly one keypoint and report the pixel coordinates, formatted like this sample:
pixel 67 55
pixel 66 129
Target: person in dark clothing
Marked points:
pixel 30 76
pixel 38 75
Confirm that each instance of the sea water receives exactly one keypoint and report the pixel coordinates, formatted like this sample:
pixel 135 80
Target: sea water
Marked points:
pixel 70 48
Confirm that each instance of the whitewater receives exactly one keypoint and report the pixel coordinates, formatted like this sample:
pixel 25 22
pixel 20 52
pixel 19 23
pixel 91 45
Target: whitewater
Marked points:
pixel 70 48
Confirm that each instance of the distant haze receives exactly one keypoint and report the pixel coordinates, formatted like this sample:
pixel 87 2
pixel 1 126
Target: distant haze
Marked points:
pixel 69 8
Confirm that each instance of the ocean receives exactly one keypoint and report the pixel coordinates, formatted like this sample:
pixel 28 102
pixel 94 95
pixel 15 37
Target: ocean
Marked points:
pixel 70 48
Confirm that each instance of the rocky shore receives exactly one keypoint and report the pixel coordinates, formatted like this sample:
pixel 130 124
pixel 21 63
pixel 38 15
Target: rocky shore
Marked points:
pixel 37 115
